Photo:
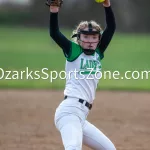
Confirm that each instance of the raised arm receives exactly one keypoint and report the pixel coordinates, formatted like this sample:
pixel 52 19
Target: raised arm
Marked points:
pixel 56 35
pixel 110 26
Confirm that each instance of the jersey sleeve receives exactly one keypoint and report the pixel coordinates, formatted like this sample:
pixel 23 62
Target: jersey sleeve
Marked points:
pixel 74 52
pixel 109 30
pixel 101 55
pixel 57 36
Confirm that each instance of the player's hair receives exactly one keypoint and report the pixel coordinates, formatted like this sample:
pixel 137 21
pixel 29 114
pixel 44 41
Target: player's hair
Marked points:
pixel 83 25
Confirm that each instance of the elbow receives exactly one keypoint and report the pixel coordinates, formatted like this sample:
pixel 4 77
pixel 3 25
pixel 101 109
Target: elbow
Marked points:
pixel 114 24
pixel 113 27
pixel 51 33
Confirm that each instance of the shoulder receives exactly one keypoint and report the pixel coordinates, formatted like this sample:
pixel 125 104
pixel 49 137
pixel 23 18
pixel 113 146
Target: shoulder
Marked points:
pixel 101 55
pixel 74 52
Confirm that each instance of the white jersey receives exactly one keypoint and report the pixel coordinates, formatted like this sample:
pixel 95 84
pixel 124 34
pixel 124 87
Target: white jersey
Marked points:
pixel 83 73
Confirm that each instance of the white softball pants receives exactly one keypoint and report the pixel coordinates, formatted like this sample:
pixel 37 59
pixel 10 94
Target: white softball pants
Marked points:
pixel 75 130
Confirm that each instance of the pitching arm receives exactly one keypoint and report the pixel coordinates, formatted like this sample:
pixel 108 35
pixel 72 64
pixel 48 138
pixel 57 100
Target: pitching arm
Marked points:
pixel 109 30
pixel 57 36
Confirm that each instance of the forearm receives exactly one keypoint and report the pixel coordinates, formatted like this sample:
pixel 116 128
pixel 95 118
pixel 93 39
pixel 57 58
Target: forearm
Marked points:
pixel 109 30
pixel 56 35
pixel 53 28
pixel 110 18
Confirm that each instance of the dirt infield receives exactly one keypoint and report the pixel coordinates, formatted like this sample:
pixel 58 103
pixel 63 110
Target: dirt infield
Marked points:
pixel 26 119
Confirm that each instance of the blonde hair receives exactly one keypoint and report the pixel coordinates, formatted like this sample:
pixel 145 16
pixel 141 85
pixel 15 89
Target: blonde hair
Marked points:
pixel 83 25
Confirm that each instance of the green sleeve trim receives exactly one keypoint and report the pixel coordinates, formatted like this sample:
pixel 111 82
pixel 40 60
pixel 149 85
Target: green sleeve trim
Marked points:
pixel 99 53
pixel 75 52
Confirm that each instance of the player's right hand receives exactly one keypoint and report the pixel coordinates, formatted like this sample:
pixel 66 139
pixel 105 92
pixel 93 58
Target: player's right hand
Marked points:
pixel 106 3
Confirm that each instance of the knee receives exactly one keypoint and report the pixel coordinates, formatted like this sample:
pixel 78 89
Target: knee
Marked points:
pixel 73 148
pixel 113 147
pixel 110 147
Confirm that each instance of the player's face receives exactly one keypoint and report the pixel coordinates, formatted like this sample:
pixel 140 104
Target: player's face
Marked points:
pixel 89 41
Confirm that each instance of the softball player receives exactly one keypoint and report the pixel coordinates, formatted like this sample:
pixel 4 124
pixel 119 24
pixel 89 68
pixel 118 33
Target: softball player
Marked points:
pixel 84 55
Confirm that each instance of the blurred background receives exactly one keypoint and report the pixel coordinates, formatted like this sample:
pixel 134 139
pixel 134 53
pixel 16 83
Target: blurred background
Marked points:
pixel 25 40
pixel 27 116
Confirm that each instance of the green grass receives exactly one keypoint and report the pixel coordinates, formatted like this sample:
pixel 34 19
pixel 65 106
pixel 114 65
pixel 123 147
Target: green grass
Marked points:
pixel 33 48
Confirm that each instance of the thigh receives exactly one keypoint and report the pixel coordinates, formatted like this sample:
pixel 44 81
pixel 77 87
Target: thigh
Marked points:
pixel 71 132
pixel 95 139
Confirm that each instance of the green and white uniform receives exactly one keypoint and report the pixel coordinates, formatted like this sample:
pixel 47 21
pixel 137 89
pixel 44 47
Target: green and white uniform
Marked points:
pixel 83 73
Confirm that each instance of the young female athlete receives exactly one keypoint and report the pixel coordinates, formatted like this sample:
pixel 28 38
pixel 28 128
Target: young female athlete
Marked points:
pixel 83 66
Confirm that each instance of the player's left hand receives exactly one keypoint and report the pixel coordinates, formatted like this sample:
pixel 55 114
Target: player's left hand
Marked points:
pixel 106 3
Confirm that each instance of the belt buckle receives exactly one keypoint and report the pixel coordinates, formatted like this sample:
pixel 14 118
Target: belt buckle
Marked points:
pixel 83 102
pixel 88 105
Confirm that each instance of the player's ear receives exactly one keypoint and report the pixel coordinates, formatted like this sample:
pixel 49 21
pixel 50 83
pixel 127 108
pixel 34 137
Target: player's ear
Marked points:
pixel 78 38
pixel 79 41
